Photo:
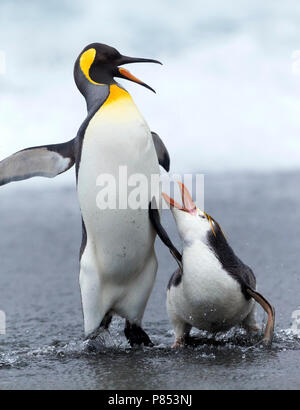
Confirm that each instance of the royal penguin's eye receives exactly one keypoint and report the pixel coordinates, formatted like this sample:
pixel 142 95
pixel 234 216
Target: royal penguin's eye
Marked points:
pixel 202 216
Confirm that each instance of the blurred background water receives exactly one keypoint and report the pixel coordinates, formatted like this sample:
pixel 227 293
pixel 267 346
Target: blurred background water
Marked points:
pixel 227 105
pixel 227 98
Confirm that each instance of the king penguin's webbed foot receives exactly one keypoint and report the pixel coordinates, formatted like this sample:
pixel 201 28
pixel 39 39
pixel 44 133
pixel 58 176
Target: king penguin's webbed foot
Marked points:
pixel 136 335
pixel 102 329
pixel 97 339
pixel 106 321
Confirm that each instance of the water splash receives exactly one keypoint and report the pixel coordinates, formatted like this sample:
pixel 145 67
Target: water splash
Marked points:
pixel 202 344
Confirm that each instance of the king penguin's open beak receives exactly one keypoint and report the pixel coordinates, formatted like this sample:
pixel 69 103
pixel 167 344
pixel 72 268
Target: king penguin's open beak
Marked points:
pixel 122 73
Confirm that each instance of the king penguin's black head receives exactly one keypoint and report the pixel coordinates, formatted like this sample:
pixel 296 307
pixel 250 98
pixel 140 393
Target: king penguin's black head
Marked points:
pixel 99 64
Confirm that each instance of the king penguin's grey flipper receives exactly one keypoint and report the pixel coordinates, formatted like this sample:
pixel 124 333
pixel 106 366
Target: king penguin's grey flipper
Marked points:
pixel 161 151
pixel 155 220
pixel 46 161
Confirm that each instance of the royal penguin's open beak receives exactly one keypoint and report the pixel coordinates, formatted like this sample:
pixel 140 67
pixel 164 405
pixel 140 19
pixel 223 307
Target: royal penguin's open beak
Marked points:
pixel 188 203
pixel 122 73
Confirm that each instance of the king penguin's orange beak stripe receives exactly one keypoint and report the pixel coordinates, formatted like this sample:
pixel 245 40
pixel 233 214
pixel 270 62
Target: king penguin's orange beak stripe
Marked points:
pixel 128 75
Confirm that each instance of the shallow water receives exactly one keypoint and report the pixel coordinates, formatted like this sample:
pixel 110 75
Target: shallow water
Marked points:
pixel 43 346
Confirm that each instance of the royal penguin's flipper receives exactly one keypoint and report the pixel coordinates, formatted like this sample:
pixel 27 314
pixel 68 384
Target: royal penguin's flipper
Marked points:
pixel 161 151
pixel 46 161
pixel 155 220
pixel 269 330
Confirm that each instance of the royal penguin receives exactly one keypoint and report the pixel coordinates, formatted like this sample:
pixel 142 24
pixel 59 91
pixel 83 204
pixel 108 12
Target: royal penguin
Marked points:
pixel 117 259
pixel 212 289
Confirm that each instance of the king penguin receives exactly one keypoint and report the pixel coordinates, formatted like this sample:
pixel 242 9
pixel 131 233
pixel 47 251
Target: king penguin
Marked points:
pixel 117 259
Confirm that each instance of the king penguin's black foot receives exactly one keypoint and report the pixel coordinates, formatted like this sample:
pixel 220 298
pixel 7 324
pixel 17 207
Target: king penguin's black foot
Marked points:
pixel 96 341
pixel 136 335
pixel 106 321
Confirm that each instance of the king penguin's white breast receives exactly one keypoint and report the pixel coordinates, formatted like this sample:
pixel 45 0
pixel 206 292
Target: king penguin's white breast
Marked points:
pixel 117 136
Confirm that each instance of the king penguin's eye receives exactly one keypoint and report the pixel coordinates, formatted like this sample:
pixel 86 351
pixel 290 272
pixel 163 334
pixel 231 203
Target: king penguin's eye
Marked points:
pixel 115 54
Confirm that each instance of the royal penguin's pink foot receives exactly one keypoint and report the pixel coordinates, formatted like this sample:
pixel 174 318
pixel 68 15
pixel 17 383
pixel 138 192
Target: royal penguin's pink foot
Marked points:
pixel 179 343
pixel 252 328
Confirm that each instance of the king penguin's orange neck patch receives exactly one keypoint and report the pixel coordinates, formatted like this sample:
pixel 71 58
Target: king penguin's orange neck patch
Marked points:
pixel 116 93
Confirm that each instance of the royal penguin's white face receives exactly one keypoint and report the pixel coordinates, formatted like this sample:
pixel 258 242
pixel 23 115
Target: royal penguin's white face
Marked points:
pixel 192 226
pixel 192 223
